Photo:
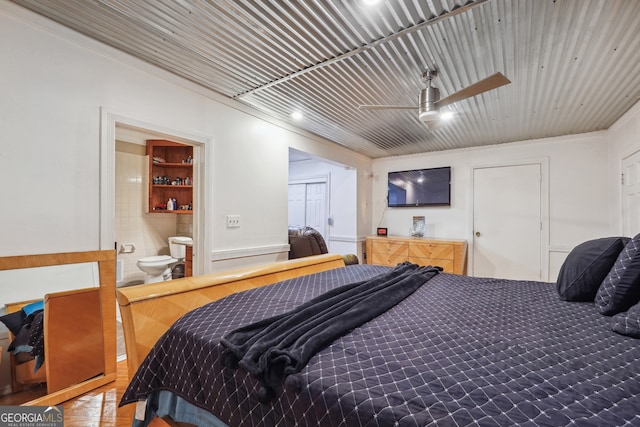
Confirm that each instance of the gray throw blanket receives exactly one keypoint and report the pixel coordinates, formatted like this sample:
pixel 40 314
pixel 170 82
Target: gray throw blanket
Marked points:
pixel 274 348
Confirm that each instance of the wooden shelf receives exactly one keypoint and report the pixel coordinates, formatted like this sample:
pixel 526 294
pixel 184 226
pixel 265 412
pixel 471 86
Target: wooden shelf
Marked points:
pixel 176 165
pixel 177 212
pixel 172 165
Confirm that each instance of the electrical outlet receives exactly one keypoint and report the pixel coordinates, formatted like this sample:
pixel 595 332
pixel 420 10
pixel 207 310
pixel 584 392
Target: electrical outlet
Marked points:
pixel 233 221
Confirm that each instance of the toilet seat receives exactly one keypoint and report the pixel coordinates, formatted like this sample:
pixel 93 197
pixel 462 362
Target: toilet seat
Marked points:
pixel 156 267
pixel 156 261
pixel 159 268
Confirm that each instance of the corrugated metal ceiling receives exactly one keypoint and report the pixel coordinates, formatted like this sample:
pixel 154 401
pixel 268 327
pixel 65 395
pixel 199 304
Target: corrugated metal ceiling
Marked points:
pixel 574 64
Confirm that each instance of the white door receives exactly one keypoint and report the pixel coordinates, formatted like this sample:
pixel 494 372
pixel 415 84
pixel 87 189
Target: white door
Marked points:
pixel 308 206
pixel 297 202
pixel 316 212
pixel 507 222
pixel 631 195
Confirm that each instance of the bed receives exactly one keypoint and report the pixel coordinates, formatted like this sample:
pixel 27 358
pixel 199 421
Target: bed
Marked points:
pixel 458 351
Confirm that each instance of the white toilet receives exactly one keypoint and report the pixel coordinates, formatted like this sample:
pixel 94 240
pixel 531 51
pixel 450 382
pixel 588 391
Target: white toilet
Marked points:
pixel 158 268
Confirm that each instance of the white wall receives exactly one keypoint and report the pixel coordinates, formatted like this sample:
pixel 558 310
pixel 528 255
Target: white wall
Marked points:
pixel 578 179
pixel 54 83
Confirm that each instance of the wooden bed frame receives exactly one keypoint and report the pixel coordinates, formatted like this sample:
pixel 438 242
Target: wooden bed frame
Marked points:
pixel 79 329
pixel 149 310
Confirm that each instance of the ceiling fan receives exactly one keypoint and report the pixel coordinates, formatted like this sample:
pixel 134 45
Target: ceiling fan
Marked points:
pixel 429 102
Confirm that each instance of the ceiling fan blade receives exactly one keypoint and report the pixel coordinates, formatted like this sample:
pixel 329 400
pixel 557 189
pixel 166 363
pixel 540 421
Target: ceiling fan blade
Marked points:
pixel 494 81
pixel 387 107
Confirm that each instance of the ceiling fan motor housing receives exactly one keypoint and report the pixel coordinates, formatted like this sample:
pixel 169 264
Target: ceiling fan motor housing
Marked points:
pixel 427 108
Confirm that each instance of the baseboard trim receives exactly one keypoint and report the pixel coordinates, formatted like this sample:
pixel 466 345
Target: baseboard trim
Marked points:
pixel 346 239
pixel 227 254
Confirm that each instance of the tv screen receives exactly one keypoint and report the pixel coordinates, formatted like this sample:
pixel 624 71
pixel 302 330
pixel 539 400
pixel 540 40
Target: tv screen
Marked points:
pixel 421 187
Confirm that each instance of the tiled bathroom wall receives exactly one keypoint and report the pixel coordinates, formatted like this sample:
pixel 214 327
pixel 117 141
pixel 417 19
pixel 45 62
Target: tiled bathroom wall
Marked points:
pixel 184 225
pixel 134 227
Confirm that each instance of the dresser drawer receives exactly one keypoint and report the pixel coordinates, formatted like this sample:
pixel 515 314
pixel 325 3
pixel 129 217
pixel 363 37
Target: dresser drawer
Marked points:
pixel 386 259
pixel 446 264
pixel 431 250
pixel 391 248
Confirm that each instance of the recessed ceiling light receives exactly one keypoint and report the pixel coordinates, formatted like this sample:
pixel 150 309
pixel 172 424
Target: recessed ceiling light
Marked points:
pixel 296 115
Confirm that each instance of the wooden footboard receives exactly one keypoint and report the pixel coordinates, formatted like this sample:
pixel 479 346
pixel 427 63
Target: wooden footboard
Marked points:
pixel 149 310
pixel 73 338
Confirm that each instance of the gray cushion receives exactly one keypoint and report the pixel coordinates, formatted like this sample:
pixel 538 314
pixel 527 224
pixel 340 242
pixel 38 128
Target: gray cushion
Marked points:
pixel 628 323
pixel 586 267
pixel 621 288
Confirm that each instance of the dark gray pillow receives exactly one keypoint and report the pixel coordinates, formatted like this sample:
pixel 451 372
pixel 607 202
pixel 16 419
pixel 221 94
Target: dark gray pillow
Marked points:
pixel 13 321
pixel 586 267
pixel 628 323
pixel 621 288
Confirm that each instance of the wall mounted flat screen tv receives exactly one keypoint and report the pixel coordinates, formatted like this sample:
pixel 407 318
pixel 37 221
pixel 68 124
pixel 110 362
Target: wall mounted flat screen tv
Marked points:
pixel 420 187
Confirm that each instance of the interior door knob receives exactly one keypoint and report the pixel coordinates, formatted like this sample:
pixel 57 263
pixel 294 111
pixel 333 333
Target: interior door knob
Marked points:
pixel 477 234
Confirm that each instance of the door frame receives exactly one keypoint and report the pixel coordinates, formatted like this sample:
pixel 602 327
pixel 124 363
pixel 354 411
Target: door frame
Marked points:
pixel 623 213
pixel 203 156
pixel 543 162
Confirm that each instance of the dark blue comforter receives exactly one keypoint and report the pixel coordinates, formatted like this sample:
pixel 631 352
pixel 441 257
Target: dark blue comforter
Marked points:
pixel 277 347
pixel 458 351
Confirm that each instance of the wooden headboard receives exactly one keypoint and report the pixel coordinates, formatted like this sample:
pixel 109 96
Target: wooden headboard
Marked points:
pixel 149 310
pixel 62 302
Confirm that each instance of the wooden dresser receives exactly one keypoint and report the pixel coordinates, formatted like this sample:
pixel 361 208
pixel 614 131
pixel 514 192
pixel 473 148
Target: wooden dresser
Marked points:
pixel 450 254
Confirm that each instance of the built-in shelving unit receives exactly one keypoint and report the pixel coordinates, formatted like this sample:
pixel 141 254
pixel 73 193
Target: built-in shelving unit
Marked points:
pixel 170 176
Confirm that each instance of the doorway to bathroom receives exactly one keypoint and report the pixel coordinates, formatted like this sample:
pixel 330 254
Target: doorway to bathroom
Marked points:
pixel 140 231
pixel 125 222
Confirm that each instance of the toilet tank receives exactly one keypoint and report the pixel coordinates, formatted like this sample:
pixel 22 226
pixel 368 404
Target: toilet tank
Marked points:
pixel 177 246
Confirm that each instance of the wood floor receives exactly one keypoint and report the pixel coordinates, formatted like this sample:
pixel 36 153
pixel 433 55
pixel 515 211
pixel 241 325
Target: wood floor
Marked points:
pixel 99 408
